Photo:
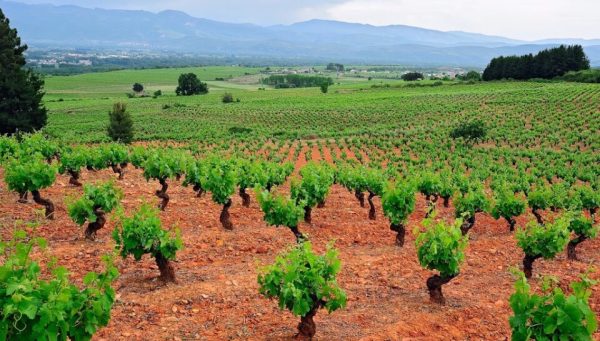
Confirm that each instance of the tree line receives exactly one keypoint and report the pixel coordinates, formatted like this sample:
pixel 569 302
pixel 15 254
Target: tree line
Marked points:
pixel 547 64
pixel 296 81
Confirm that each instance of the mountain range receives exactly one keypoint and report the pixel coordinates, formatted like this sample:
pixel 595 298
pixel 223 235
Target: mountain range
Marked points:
pixel 50 26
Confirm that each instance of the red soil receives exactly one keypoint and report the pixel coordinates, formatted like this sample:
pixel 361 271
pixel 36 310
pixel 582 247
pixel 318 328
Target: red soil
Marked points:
pixel 216 297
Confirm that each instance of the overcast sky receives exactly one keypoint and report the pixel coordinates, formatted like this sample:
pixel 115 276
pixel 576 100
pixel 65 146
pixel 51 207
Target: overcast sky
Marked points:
pixel 521 19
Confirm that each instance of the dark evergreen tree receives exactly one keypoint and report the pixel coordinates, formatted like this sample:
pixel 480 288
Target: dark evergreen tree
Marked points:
pixel 189 84
pixel 137 87
pixel 120 127
pixel 546 64
pixel 412 76
pixel 20 88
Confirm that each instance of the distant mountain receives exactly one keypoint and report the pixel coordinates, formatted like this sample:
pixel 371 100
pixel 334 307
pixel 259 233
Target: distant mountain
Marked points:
pixel 49 26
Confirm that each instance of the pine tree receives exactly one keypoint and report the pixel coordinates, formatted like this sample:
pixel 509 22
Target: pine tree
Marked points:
pixel 20 88
pixel 120 127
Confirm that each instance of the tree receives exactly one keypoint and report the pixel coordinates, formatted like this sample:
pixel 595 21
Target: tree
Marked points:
pixel 120 126
pixel 137 87
pixel 41 304
pixel 324 88
pixel 142 234
pixel 304 282
pixel 398 203
pixel 440 247
pixel 552 315
pixel 189 85
pixel 30 173
pixel 96 202
pixel 543 241
pixel 21 90
pixel 412 76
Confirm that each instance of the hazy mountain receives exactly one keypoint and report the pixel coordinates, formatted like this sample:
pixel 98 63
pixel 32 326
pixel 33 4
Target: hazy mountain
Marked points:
pixel 73 27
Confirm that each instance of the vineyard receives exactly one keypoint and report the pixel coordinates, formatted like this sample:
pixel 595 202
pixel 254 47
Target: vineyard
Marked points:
pixel 364 213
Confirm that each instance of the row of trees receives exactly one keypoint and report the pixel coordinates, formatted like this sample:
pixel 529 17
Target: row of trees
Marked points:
pixel 296 81
pixel 547 64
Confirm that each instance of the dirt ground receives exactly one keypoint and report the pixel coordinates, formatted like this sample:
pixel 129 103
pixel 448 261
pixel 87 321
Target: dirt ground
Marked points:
pixel 216 297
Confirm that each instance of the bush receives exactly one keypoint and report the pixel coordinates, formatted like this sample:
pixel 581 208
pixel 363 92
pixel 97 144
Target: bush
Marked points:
pixel 221 182
pixel 97 200
pixel 474 130
pixel 120 126
pixel 584 229
pixel 398 202
pixel 31 173
pixel 48 306
pixel 304 282
pixel 324 88
pixel 137 87
pixel 71 162
pixel 543 241
pixel 313 188
pixel 440 247
pixel 412 76
pixel 585 76
pixel 157 93
pixel 508 206
pixel 227 98
pixel 189 85
pixel 143 234
pixel 467 205
pixel 552 315
pixel 281 211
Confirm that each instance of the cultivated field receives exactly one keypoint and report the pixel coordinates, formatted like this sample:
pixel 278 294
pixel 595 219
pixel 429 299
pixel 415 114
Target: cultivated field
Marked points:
pixel 540 136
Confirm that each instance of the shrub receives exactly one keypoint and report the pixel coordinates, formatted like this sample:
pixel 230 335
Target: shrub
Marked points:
pixel 115 156
pixel 137 87
pixel 227 98
pixel 304 282
pixel 71 162
pixel 543 241
pixel 96 202
pixel 467 205
pixel 49 307
pixel 120 126
pixel 157 93
pixel 508 206
pixel 324 87
pixel 412 76
pixel 189 84
pixel 552 315
pixel 31 174
pixel 398 202
pixel 281 211
pixel 584 229
pixel 539 199
pixel 221 182
pixel 162 166
pixel 440 247
pixel 313 188
pixel 143 234
pixel 469 131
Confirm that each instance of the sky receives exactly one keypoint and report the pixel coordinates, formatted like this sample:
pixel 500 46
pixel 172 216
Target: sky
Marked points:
pixel 519 19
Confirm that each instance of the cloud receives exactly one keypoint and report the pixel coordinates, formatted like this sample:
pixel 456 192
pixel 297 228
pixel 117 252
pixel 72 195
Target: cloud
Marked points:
pixel 523 19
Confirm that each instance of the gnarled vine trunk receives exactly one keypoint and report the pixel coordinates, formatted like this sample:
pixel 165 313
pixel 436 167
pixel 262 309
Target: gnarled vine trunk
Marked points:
pixel 571 252
pixel 360 196
pixel 119 169
pixel 511 223
pixel 321 204
pixel 467 225
pixel 299 236
pixel 162 194
pixel 538 216
pixel 371 206
pixel 225 217
pixel 46 202
pixel 401 231
pixel 308 214
pixel 167 272
pixel 245 197
pixel 74 180
pixel 528 265
pixel 92 228
pixel 199 190
pixel 446 202
pixel 23 198
pixel 434 285
pixel 307 327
